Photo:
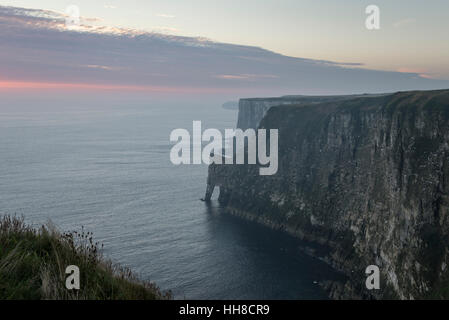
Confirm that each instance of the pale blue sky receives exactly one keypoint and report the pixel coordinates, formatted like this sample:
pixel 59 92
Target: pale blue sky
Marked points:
pixel 413 35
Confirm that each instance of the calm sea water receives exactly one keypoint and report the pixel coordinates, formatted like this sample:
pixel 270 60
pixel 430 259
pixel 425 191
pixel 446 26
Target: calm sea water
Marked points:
pixel 105 166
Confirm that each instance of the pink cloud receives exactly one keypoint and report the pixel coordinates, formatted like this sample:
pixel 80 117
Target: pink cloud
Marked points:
pixel 35 85
pixel 418 71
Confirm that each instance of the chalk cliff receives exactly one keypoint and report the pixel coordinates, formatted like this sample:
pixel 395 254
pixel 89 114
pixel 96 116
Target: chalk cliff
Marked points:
pixel 252 111
pixel 365 178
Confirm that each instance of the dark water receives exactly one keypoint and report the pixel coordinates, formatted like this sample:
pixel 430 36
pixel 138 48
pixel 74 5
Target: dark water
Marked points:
pixel 106 167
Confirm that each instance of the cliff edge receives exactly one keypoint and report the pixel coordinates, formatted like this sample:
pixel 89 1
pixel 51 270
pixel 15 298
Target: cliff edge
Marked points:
pixel 364 177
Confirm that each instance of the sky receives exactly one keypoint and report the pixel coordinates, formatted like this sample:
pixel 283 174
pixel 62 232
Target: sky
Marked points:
pixel 243 47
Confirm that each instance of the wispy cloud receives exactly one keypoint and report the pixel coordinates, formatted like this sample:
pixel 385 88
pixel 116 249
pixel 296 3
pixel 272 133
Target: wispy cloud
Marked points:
pixel 164 15
pixel 423 73
pixel 95 66
pixel 246 76
pixel 37 48
pixel 164 29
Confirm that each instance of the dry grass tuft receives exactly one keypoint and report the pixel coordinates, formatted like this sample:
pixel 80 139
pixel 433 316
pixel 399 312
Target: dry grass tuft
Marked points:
pixel 33 262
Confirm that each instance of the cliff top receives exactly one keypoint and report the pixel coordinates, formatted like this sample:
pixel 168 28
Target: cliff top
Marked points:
pixel 323 98
pixel 416 98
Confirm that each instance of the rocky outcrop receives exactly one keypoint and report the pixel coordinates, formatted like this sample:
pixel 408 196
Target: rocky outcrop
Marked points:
pixel 364 177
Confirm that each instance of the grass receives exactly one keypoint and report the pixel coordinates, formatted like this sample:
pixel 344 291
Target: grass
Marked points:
pixel 33 263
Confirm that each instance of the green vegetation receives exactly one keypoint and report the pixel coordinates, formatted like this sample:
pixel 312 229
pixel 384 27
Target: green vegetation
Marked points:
pixel 33 263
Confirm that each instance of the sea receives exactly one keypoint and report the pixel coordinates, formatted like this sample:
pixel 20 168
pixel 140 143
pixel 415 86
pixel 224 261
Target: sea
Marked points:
pixel 103 164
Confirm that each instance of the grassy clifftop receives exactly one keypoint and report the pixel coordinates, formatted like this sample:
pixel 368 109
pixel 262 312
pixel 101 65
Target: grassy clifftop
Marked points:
pixel 33 263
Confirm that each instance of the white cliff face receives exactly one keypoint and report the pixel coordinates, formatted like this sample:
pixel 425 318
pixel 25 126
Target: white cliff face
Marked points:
pixel 253 110
pixel 366 177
